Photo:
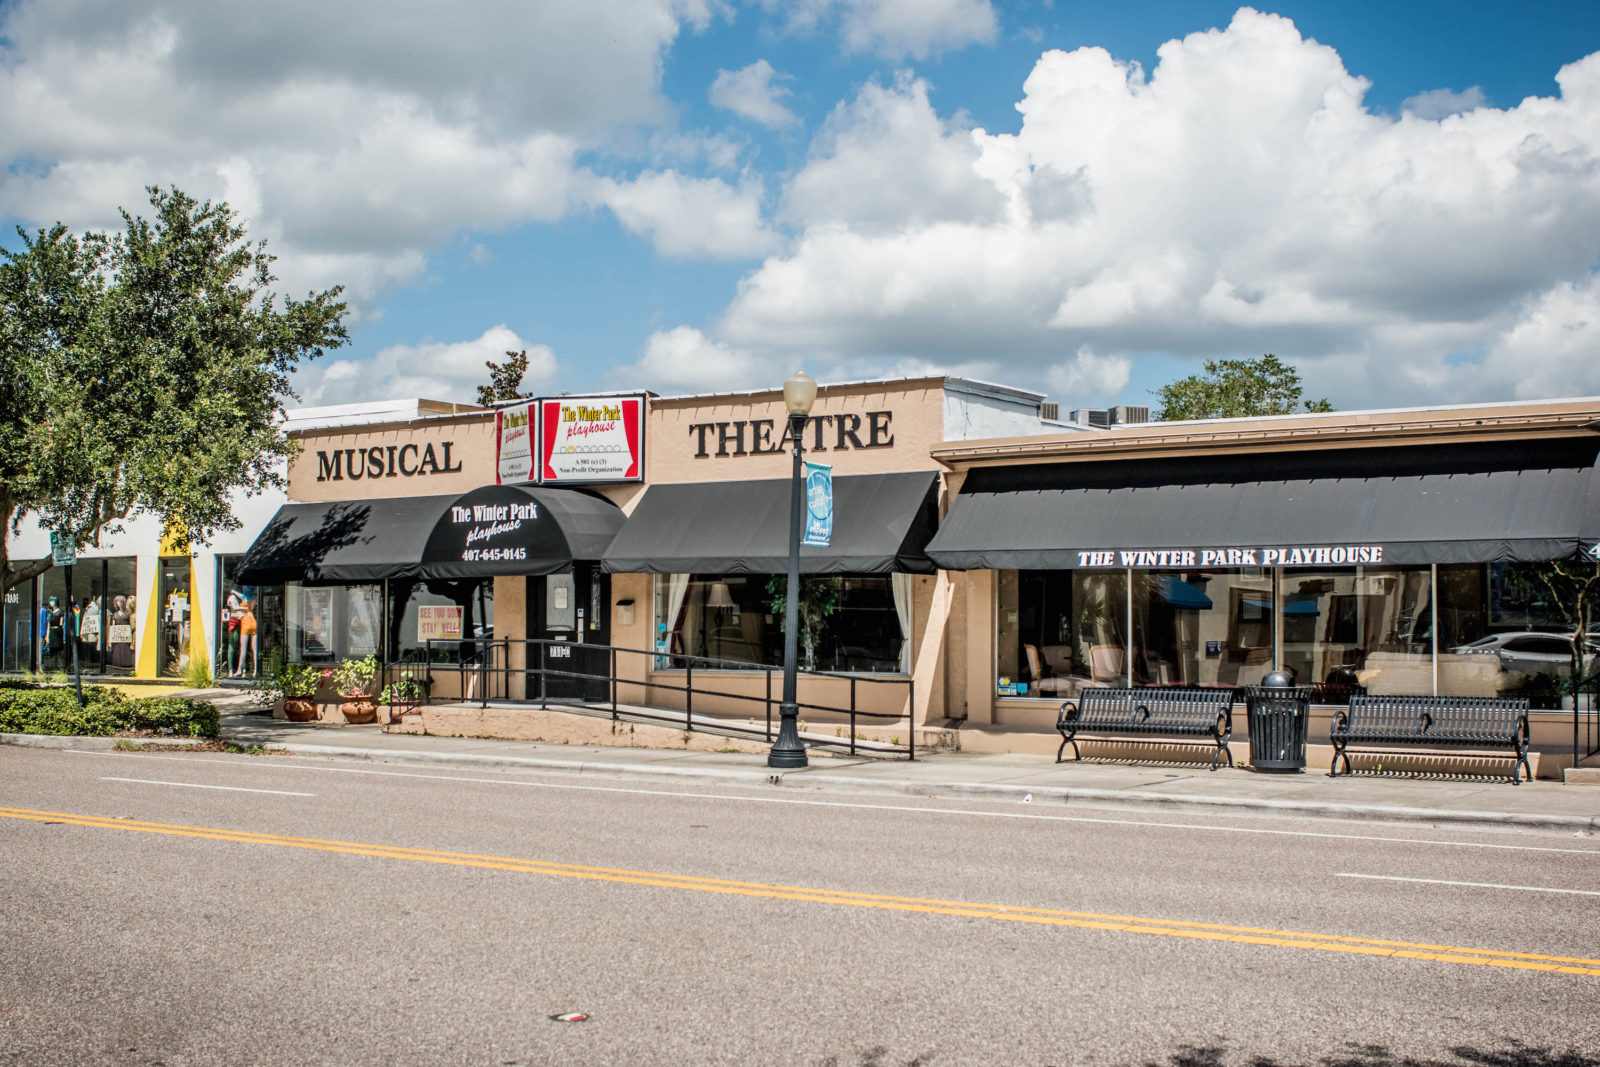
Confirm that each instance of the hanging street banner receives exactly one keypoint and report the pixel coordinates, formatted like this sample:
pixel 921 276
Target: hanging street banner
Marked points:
pixel 513 444
pixel 591 439
pixel 819 505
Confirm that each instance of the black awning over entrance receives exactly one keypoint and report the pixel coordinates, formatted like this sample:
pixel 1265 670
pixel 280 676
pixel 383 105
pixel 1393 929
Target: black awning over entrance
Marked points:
pixel 1486 502
pixel 881 523
pixel 518 529
pixel 498 529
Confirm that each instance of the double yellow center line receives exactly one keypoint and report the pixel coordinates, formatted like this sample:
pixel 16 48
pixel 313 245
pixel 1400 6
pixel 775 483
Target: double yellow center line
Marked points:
pixel 1128 924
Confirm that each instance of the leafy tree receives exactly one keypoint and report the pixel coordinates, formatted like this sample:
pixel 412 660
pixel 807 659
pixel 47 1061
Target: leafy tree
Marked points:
pixel 1232 388
pixel 505 379
pixel 145 372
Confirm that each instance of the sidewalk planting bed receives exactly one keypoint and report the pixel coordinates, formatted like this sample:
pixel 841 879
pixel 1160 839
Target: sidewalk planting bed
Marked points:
pixel 26 708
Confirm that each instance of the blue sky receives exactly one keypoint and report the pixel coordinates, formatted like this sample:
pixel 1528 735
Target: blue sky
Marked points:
pixel 861 193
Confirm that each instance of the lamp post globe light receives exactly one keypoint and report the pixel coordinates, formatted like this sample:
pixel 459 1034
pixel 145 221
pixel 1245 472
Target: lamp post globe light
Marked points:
pixel 799 393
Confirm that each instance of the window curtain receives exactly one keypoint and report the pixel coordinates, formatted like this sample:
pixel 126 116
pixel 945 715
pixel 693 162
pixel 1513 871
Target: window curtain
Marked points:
pixel 901 586
pixel 677 593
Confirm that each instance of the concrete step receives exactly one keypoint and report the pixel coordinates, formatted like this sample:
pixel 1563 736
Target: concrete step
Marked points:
pixel 1582 776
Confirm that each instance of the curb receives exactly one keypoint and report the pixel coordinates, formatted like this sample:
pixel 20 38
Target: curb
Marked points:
pixel 1101 798
pixel 95 744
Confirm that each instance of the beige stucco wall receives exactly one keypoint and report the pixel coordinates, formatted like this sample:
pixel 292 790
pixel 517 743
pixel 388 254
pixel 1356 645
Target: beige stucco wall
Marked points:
pixel 916 425
pixel 471 440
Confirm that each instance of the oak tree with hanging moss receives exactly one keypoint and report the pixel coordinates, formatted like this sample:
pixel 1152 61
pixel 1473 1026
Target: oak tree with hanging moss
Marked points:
pixel 145 373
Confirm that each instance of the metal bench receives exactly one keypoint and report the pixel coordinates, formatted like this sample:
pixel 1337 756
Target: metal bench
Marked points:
pixel 1143 713
pixel 1488 723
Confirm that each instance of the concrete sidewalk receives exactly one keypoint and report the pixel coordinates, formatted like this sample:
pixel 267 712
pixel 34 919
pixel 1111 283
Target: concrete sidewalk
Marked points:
pixel 1009 777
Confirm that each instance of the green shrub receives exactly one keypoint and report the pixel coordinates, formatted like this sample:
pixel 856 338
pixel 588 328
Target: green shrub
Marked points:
pixel 55 710
pixel 189 718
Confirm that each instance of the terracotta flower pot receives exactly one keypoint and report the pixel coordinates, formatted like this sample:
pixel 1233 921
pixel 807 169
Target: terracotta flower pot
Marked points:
pixel 300 709
pixel 359 710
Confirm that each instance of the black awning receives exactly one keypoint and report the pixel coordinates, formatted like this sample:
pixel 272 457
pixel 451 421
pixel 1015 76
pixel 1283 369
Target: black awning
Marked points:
pixel 343 540
pixel 1421 504
pixel 518 529
pixel 881 523
pixel 498 529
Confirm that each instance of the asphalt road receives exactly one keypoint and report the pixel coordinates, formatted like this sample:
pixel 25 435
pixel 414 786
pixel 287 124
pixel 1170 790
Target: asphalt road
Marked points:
pixel 185 909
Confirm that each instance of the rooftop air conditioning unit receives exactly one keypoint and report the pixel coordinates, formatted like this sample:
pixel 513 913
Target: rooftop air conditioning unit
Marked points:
pixel 1050 411
pixel 1126 415
pixel 1096 417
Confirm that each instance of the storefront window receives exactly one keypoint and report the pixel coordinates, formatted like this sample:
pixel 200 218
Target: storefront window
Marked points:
pixel 448 612
pixel 1202 627
pixel 250 622
pixel 327 623
pixel 1368 626
pixel 1061 632
pixel 857 623
pixel 16 639
pixel 54 621
pixel 117 614
pixel 1506 629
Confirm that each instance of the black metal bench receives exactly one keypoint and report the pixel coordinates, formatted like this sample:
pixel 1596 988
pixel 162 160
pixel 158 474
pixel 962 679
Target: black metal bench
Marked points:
pixel 1155 712
pixel 1488 723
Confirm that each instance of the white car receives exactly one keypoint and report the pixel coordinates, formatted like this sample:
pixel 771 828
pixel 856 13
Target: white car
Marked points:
pixel 1526 651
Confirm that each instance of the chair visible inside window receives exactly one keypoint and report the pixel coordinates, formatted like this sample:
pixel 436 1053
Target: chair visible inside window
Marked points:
pixel 1106 663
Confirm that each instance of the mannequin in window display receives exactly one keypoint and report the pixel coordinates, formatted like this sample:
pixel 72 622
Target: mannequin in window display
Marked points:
pixel 55 631
pixel 247 642
pixel 230 638
pixel 89 629
pixel 121 651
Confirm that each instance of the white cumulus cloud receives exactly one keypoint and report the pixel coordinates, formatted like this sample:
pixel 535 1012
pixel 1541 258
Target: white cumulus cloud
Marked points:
pixel 1438 103
pixel 690 217
pixel 357 137
pixel 432 370
pixel 685 360
pixel 1239 198
pixel 896 29
pixel 749 91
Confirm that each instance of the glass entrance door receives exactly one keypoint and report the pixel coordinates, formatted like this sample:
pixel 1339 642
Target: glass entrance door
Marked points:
pixel 177 617
pixel 571 610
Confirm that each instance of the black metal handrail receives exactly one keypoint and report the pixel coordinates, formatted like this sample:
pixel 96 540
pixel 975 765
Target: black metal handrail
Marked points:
pixel 488 672
pixel 1585 718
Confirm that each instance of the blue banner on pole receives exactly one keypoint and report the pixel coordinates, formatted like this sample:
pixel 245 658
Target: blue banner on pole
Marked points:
pixel 819 505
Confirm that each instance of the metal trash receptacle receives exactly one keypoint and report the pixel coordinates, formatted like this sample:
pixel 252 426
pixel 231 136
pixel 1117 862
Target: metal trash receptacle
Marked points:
pixel 1278 716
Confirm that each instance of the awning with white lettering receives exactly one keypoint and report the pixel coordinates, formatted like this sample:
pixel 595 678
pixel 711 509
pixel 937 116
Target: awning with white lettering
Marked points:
pixel 495 530
pixel 1502 501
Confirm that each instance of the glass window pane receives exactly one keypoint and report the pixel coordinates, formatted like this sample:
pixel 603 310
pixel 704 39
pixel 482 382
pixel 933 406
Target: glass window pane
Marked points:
pixel 1202 627
pixel 1506 630
pixel 16 641
pixel 849 623
pixel 88 607
pixel 450 612
pixel 1370 626
pixel 250 622
pixel 121 635
pixel 1060 632
pixel 51 631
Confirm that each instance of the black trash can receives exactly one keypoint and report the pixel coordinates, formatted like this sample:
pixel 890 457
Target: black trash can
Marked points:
pixel 1279 712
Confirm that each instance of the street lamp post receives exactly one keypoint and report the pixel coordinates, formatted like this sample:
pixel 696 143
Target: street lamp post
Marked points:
pixel 799 393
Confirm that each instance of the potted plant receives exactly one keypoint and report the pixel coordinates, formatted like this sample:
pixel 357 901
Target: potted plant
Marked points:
pixel 403 695
pixel 355 681
pixel 298 683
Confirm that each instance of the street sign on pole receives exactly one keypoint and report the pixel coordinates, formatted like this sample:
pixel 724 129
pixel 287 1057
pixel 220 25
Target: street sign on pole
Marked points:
pixel 63 550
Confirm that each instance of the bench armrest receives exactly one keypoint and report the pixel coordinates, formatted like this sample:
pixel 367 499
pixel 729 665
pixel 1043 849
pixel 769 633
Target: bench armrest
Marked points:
pixel 1062 716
